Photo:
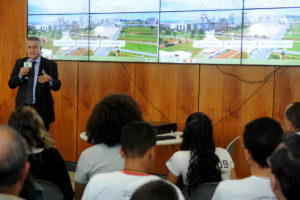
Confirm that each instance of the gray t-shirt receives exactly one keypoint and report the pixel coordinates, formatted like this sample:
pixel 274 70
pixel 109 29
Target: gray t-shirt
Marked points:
pixel 98 159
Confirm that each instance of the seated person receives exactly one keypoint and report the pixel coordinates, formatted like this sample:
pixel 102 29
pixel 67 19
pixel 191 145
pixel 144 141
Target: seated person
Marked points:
pixel 285 166
pixel 292 118
pixel 45 160
pixel 155 190
pixel 104 129
pixel 199 161
pixel 14 166
pixel 261 136
pixel 138 150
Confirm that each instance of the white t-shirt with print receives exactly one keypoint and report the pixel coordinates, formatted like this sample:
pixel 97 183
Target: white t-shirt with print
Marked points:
pixel 179 162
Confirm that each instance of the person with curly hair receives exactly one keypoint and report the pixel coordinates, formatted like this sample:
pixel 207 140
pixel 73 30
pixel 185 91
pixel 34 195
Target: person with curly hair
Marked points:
pixel 104 129
pixel 45 160
pixel 199 161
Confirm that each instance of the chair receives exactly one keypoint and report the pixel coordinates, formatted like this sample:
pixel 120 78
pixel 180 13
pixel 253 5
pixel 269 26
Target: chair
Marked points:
pixel 231 146
pixel 203 191
pixel 51 191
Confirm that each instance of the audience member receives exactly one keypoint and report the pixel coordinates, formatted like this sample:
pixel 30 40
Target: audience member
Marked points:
pixel 46 161
pixel 14 166
pixel 285 166
pixel 104 129
pixel 292 118
pixel 199 161
pixel 155 190
pixel 138 150
pixel 261 136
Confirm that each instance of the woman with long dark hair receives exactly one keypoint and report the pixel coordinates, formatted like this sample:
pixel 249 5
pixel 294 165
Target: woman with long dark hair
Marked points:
pixel 199 161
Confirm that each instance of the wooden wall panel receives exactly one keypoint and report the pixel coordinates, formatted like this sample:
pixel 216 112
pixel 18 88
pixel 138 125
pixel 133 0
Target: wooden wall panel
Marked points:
pixel 171 89
pixel 12 39
pixel 221 94
pixel 287 90
pixel 95 81
pixel 64 128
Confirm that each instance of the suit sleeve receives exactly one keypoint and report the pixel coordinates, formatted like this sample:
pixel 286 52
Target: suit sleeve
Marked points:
pixel 14 80
pixel 54 74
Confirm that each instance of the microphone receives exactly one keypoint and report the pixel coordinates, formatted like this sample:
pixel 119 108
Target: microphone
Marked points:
pixel 29 65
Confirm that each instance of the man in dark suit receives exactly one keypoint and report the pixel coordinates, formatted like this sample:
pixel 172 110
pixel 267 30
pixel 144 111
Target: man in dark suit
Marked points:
pixel 35 76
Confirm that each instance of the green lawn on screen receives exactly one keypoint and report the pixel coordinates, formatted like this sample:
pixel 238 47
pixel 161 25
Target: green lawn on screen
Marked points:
pixel 186 47
pixel 296 47
pixel 140 47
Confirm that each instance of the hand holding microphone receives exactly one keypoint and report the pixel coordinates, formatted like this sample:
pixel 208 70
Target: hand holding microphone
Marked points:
pixel 25 69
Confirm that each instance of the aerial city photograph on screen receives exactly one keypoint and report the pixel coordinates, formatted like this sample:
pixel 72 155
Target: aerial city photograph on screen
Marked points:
pixel 168 31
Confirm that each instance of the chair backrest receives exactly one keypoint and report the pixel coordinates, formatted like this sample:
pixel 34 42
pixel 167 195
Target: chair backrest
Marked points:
pixel 231 146
pixel 51 191
pixel 203 191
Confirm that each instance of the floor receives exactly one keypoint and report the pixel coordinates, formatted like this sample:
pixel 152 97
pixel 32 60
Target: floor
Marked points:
pixel 71 174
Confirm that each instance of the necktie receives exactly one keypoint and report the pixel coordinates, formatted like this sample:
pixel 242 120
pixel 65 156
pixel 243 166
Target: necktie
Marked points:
pixel 30 83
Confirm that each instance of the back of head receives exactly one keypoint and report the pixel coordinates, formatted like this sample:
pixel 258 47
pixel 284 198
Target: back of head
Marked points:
pixel 31 126
pixel 261 136
pixel 155 190
pixel 109 116
pixel 198 138
pixel 137 138
pixel 292 113
pixel 285 165
pixel 13 156
pixel 198 132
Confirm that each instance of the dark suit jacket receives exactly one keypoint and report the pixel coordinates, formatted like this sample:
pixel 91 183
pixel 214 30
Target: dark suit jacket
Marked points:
pixel 43 97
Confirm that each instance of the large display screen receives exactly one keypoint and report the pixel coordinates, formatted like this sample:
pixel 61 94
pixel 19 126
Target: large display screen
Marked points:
pixel 169 31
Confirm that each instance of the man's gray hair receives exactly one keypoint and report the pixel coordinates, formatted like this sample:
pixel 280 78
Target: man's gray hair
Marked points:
pixel 34 38
pixel 13 157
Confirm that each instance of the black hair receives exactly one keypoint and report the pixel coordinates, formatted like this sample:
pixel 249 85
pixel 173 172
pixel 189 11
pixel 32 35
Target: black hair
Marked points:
pixel 108 118
pixel 285 165
pixel 137 138
pixel 14 159
pixel 292 113
pixel 198 138
pixel 261 136
pixel 155 190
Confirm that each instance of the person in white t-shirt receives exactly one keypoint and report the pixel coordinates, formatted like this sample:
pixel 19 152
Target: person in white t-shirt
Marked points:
pixel 285 166
pixel 104 128
pixel 138 150
pixel 199 161
pixel 292 118
pixel 261 136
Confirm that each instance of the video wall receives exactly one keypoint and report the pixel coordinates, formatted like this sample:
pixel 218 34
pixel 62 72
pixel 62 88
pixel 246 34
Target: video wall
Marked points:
pixel 252 32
